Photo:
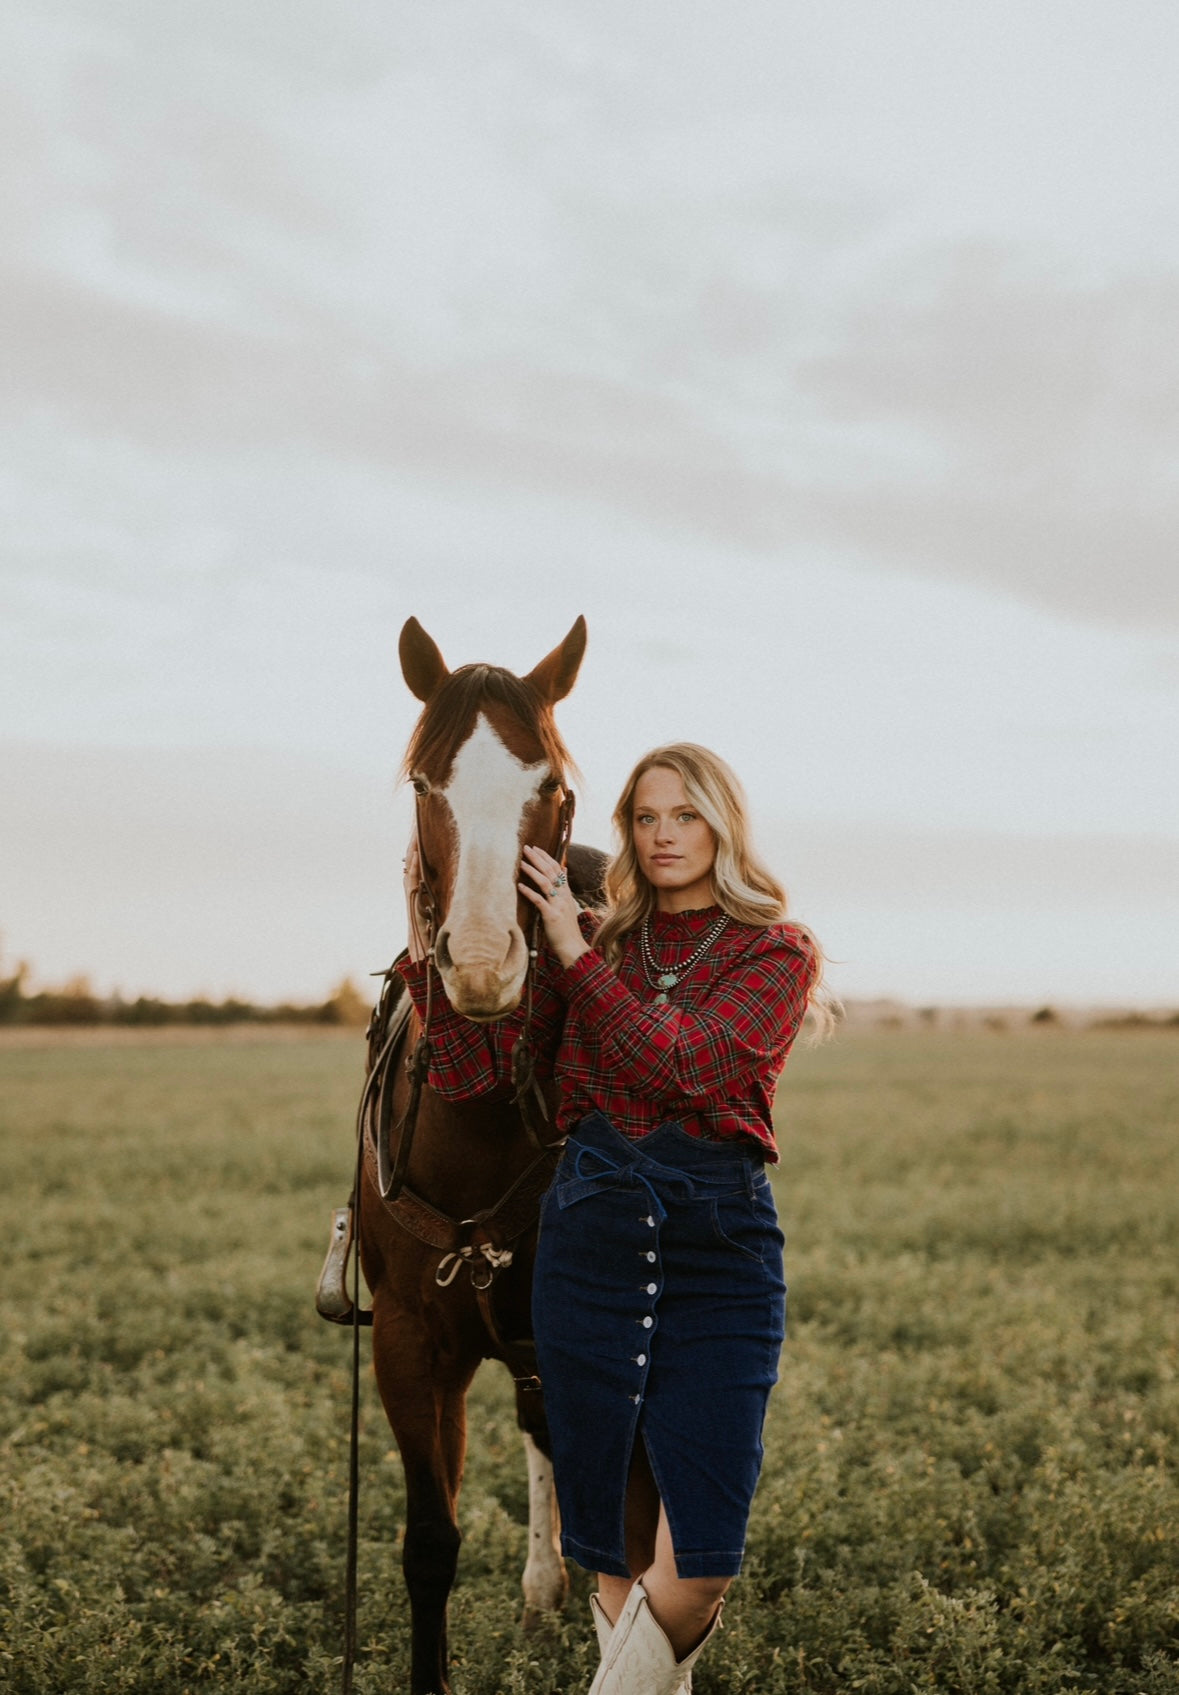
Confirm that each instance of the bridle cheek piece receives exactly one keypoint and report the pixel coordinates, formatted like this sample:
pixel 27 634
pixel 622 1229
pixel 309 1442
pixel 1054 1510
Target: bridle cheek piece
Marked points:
pixel 529 1096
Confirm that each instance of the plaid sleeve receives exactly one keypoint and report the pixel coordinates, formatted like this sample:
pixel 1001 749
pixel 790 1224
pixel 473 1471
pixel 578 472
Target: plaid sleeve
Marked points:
pixel 469 1060
pixel 466 1059
pixel 657 1051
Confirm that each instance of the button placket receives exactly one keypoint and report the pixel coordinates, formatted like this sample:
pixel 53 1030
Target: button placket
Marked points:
pixel 651 1257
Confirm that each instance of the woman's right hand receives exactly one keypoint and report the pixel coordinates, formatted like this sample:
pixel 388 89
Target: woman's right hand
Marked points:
pixel 412 879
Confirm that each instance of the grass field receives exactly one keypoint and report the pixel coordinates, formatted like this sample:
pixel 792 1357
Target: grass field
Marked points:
pixel 969 1482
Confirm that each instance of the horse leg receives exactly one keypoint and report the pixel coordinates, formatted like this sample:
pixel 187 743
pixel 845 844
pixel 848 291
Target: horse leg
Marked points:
pixel 545 1580
pixel 429 1562
pixel 429 1423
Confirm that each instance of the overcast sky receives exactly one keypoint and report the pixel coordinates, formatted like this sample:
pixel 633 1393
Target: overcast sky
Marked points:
pixel 826 358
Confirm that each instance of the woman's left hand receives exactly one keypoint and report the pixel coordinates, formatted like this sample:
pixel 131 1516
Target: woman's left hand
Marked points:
pixel 547 887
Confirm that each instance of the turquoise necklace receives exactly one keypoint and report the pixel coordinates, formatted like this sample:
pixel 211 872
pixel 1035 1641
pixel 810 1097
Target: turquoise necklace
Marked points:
pixel 663 980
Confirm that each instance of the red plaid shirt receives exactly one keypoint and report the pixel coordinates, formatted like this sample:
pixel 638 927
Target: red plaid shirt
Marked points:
pixel 710 1058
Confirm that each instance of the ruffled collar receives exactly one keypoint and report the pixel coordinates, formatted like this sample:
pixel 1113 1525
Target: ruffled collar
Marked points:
pixel 693 921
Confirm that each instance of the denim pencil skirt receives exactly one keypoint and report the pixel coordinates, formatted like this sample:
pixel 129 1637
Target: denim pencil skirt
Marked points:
pixel 659 1310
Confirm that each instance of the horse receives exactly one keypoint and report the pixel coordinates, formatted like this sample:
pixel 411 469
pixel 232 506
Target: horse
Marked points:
pixel 449 1191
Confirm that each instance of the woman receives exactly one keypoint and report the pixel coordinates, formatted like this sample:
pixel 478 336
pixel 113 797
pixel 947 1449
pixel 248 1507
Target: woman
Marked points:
pixel 659 1304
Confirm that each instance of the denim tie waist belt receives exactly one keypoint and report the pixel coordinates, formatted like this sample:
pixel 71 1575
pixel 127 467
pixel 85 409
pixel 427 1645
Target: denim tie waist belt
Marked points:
pixel 640 1171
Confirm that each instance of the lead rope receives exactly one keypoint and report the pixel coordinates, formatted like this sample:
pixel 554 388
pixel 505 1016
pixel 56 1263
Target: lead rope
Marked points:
pixel 353 1438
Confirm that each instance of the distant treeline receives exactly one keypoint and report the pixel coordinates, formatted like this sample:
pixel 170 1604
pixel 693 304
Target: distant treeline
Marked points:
pixel 979 1018
pixel 76 1003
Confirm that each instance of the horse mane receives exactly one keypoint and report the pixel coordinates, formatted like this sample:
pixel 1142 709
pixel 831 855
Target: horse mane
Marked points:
pixel 448 718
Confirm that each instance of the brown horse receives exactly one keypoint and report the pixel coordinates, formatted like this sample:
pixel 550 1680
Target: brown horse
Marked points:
pixel 448 1250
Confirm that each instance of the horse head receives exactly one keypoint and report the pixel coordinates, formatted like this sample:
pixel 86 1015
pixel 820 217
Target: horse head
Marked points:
pixel 490 772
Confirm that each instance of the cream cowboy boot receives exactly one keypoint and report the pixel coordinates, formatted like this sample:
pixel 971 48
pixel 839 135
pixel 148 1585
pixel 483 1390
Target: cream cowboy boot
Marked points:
pixel 637 1658
pixel 605 1631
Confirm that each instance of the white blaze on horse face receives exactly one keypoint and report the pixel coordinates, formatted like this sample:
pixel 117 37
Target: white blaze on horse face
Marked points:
pixel 489 789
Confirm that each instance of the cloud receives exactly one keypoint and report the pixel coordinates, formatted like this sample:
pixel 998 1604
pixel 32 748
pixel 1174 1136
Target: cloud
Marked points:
pixel 812 356
pixel 1045 417
pixel 973 422
pixel 575 258
pixel 991 430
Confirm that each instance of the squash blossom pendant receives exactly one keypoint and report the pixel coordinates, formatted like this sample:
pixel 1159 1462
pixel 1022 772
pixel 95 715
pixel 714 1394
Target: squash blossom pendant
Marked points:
pixel 665 980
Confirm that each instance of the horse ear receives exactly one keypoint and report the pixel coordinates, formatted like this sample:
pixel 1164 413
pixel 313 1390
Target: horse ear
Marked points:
pixel 422 665
pixel 557 672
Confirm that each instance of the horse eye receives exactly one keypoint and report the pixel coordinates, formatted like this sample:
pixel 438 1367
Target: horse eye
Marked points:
pixel 421 785
pixel 550 786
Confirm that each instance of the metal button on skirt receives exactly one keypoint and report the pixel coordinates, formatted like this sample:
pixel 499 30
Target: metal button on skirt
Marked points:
pixel 659 1310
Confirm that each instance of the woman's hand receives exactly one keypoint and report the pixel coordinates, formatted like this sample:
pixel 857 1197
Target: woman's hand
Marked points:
pixel 414 923
pixel 547 887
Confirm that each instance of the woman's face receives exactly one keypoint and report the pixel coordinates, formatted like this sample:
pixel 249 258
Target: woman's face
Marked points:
pixel 674 846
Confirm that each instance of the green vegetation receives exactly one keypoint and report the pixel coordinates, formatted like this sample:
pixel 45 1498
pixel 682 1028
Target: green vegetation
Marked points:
pixel 967 1485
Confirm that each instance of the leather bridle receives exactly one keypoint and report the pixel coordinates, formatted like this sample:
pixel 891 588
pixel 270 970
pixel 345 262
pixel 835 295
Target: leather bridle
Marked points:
pixel 393 1152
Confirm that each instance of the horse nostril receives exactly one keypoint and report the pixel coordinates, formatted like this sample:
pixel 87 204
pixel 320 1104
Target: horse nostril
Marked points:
pixel 442 951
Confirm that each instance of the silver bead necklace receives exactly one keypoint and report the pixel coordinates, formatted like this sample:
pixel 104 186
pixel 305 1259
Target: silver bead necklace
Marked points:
pixel 665 980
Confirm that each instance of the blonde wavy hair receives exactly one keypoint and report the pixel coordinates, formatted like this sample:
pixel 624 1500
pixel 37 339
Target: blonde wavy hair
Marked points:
pixel 742 885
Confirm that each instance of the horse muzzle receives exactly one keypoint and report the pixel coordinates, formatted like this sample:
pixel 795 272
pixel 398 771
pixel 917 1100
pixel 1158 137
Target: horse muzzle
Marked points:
pixel 478 987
